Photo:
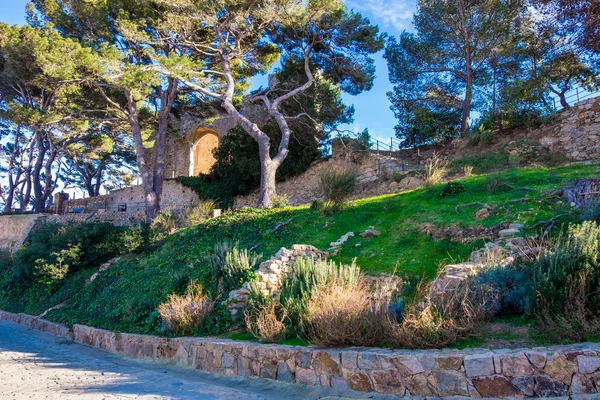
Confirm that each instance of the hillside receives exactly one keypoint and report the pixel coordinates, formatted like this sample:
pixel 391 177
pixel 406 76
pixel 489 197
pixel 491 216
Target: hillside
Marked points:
pixel 126 296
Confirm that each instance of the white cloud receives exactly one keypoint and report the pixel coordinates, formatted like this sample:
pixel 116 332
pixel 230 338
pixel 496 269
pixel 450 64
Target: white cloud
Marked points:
pixel 396 14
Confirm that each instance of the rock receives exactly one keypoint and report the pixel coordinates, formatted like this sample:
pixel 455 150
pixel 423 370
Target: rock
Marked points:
pixel 451 383
pixel 581 385
pixel 324 363
pixel 482 213
pixel 341 240
pixel 560 368
pixel 508 232
pixel 588 364
pixel 548 387
pixel 536 358
pixel 495 386
pixel 516 226
pixel 479 365
pixel 370 233
pixel 368 361
pixel 283 372
pixel 306 376
pixel 408 365
pixel 449 362
pixel 421 385
pixel 388 382
pixel 526 384
pixel 516 365
pixel 359 382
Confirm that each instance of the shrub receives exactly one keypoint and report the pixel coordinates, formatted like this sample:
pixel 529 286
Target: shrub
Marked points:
pixel 166 223
pixel 339 184
pixel 136 239
pixel 6 260
pixel 435 170
pixel 185 314
pixel 341 314
pixel 281 201
pixel 591 212
pixel 452 189
pixel 96 244
pixel 265 321
pixel 507 290
pixel 234 265
pixel 496 184
pixel 566 280
pixel 468 170
pixel 437 322
pixel 487 137
pixel 200 213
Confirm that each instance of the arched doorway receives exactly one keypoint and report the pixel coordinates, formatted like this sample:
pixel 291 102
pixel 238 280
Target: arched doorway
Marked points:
pixel 205 141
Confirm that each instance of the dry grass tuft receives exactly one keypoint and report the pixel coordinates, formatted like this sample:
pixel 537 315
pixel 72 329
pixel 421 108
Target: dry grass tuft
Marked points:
pixel 186 313
pixel 264 322
pixel 435 170
pixel 468 170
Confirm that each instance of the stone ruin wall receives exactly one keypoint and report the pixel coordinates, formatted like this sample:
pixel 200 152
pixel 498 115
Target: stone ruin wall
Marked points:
pixel 124 206
pixel 375 177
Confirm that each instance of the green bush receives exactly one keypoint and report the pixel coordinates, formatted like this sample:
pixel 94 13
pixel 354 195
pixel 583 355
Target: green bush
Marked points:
pixel 566 280
pixel 339 184
pixel 452 189
pixel 6 260
pixel 200 213
pixel 234 265
pixel 166 223
pixel 487 137
pixel 281 201
pixel 79 245
pixel 591 212
pixel 508 290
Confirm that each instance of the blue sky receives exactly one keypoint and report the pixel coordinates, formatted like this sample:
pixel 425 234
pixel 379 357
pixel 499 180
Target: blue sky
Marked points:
pixel 372 108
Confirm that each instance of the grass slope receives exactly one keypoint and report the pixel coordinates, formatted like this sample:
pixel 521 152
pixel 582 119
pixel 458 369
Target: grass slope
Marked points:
pixel 125 297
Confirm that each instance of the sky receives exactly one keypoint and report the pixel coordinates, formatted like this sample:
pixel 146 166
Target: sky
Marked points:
pixel 372 108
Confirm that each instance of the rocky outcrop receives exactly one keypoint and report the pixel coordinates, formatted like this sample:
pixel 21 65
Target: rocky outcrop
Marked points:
pixel 504 250
pixel 475 373
pixel 270 275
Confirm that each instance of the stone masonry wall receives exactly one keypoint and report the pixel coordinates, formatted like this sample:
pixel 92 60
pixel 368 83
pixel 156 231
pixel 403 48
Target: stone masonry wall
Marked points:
pixel 539 372
pixel 15 229
pixel 576 131
pixel 174 195
pixel 270 275
pixel 374 179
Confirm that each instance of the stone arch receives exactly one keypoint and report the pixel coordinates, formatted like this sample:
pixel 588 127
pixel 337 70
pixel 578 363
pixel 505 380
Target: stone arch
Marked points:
pixel 203 142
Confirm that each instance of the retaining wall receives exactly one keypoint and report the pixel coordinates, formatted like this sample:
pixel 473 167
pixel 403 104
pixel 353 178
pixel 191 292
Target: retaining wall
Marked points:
pixel 15 229
pixel 539 372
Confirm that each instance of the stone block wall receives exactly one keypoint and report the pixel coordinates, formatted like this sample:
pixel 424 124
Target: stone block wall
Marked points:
pixel 15 229
pixel 375 177
pixel 576 131
pixel 129 201
pixel 540 372
pixel 270 275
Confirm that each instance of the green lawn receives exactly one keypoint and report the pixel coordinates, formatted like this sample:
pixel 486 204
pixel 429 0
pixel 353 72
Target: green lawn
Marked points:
pixel 125 297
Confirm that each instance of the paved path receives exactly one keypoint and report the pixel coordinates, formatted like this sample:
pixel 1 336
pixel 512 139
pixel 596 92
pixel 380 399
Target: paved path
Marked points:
pixel 35 365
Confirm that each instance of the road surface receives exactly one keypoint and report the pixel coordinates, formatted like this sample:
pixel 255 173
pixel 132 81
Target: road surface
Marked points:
pixel 35 365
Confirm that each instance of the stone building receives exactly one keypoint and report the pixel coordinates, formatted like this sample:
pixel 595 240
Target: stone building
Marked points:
pixel 193 139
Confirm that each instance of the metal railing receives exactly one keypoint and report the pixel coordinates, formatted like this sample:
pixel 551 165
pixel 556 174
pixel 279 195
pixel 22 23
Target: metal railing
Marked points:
pixel 573 97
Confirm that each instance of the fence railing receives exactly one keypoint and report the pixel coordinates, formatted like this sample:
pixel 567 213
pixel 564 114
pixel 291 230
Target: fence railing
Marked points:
pixel 573 97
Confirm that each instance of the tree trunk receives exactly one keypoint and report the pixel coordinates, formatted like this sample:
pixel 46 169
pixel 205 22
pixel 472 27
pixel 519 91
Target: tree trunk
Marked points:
pixel 268 171
pixel 563 100
pixel 36 179
pixel 466 112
